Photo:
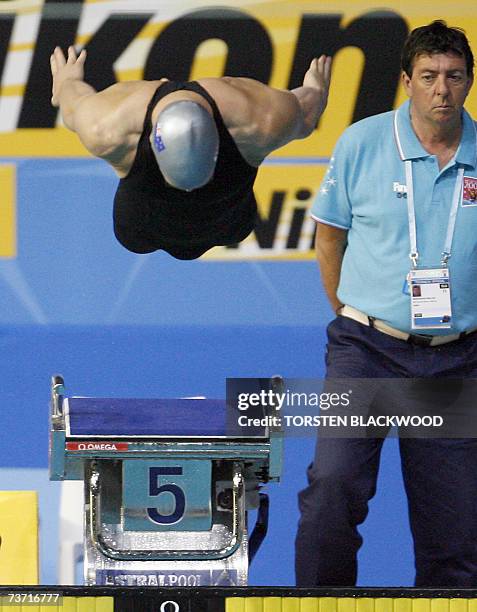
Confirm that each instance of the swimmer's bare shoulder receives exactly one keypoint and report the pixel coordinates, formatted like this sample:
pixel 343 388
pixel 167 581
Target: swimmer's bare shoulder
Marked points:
pixel 120 110
pixel 259 118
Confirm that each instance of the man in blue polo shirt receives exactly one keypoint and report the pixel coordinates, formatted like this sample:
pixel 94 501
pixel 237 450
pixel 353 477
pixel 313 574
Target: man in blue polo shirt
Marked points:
pixel 396 245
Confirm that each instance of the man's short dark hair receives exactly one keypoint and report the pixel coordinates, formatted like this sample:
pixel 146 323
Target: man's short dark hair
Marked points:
pixel 436 37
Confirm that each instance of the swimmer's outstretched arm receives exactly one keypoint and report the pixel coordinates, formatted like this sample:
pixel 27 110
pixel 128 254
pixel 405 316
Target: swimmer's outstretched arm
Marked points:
pixel 68 87
pixel 262 119
pixel 313 94
pixel 92 115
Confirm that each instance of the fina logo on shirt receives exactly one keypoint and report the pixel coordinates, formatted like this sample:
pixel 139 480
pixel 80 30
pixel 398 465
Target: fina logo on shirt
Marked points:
pixel 400 190
pixel 469 191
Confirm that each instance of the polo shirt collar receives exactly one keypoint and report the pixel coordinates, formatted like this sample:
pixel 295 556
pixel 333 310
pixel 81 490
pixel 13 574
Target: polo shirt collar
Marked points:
pixel 467 151
pixel 409 146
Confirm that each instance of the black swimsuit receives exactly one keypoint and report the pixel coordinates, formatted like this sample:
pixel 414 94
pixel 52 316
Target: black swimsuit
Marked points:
pixel 149 214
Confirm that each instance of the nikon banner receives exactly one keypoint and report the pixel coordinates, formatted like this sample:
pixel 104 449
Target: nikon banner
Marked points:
pixel 271 40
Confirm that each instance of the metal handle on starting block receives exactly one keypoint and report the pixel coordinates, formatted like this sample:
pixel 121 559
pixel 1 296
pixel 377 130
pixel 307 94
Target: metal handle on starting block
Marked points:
pixel 57 390
pixel 238 510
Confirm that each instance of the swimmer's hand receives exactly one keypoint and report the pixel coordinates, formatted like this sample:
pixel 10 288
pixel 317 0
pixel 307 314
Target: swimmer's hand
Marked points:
pixel 65 69
pixel 313 95
pixel 318 77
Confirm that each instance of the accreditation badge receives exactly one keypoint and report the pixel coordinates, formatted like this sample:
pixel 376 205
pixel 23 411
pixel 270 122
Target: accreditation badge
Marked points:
pixel 430 298
pixel 469 191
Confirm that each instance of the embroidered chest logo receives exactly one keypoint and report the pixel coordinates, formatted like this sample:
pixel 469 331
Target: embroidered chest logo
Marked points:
pixel 469 192
pixel 400 190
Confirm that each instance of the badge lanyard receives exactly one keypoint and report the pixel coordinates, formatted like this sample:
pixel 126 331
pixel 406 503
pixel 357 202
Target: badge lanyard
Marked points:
pixel 411 213
pixel 430 288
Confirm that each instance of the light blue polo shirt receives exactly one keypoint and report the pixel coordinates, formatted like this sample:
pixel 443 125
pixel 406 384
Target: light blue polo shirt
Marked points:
pixel 362 192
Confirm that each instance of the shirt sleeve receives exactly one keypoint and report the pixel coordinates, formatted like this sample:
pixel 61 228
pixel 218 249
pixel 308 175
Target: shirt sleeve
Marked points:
pixel 332 205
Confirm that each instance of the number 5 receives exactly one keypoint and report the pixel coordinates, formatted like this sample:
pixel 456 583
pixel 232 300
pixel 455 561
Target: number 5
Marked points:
pixel 177 492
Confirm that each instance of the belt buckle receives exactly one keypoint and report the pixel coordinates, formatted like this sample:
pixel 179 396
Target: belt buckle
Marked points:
pixel 420 340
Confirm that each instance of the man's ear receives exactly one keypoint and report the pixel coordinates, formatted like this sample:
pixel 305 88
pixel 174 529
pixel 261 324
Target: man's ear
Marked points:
pixel 471 82
pixel 406 82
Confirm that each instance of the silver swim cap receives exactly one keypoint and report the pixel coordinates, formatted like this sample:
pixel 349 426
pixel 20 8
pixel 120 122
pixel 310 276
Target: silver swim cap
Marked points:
pixel 185 143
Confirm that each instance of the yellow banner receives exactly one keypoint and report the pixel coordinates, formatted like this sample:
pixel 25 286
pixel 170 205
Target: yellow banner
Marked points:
pixel 49 601
pixel 349 604
pixel 19 537
pixel 274 40
pixel 281 22
pixel 8 229
pixel 284 194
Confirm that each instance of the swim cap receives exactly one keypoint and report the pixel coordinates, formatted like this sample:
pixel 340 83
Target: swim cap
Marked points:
pixel 185 143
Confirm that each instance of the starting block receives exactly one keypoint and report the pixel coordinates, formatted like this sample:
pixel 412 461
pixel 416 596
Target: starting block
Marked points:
pixel 168 485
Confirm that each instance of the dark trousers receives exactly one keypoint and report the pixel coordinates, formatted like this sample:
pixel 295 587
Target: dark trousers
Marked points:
pixel 440 475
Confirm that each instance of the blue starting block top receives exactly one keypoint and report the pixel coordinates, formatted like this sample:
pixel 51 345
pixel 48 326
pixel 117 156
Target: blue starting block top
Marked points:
pixel 89 417
pixel 119 429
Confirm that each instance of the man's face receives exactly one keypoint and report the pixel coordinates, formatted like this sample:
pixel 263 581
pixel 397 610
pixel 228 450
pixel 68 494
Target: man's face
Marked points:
pixel 438 88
